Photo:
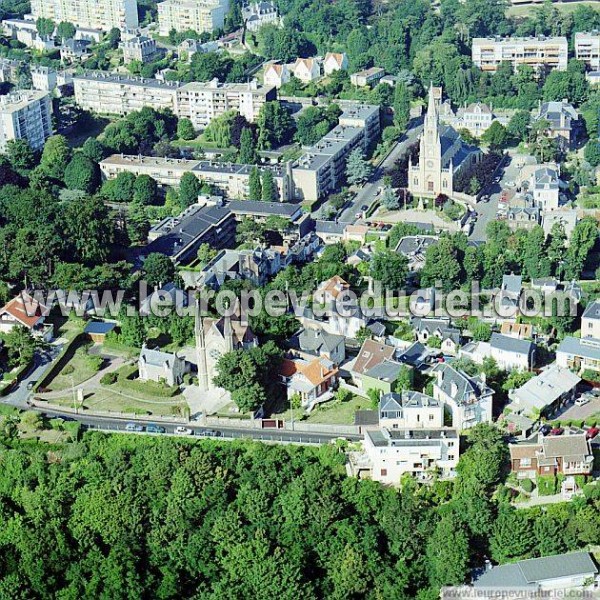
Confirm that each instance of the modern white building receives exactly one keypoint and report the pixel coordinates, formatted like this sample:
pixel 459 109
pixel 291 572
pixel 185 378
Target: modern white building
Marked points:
pixel 537 52
pixel 90 14
pixel 509 353
pixel 587 48
pixel 191 15
pixel 367 77
pixel 410 410
pixel 26 114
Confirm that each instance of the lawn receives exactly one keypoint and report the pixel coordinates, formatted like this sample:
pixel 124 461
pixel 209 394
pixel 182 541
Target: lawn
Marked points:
pixel 332 412
pixel 79 369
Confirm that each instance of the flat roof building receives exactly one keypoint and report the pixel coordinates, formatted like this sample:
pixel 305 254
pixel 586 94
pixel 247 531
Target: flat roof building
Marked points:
pixel 587 48
pixel 191 15
pixel 90 14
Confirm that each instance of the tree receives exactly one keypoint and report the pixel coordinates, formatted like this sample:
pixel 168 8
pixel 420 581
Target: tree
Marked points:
pixel 185 129
pixel 358 170
pixel 205 254
pixel 55 156
pixel 401 105
pixel 275 125
pixel 138 224
pixel 390 268
pixel 113 37
pixel 219 129
pixel 582 241
pixel 482 332
pixel 518 126
pixel 247 155
pixel 82 174
pixel 21 345
pixel 448 553
pixel 158 269
pixel 119 189
pixel 389 199
pixel 441 265
pixel 20 155
pixel 364 333
pixel 144 190
pixel 592 152
pixel 254 185
pixel 190 188
pixel 133 330
pixel 93 149
pixel 496 136
pixel 66 31
pixel 269 188
pixel 45 27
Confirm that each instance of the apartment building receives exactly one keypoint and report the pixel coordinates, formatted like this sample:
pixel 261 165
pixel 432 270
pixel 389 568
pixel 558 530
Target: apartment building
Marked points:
pixel 587 49
pixel 25 115
pixel 537 52
pixel 202 102
pixel 367 77
pixel 89 14
pixel 321 168
pixel 114 94
pixel 191 15
pixel 231 179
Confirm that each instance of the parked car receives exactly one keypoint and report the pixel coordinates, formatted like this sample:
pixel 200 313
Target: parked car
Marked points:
pixel 183 431
pixel 153 428
pixel 134 427
pixel 210 433
pixel 582 400
pixel 545 429
pixel 31 384
pixel 592 432
pixel 557 431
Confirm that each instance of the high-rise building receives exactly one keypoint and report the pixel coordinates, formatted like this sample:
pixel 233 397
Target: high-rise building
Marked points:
pixel 587 48
pixel 91 14
pixel 537 52
pixel 25 115
pixel 195 15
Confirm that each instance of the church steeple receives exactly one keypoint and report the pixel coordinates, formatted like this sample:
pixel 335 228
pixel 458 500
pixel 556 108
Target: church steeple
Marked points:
pixel 203 382
pixel 432 117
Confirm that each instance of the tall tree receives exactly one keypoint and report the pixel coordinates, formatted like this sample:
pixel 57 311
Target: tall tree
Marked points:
pixel 45 27
pixel 55 156
pixel 269 188
pixel 158 269
pixel 190 188
pixel 448 553
pixel 254 185
pixel 358 170
pixel 82 174
pixel 401 105
pixel 247 154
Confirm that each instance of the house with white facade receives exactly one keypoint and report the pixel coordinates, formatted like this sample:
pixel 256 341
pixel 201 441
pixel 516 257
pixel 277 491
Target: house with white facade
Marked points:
pixel 306 69
pixel 579 354
pixel 590 320
pixel 469 399
pixel 155 365
pixel 276 74
pixel 335 61
pixel 410 410
pixel 545 188
pixel 257 14
pixel 441 327
pixel 510 353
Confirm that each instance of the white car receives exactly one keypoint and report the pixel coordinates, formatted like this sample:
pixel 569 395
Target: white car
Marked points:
pixel 582 400
pixel 183 431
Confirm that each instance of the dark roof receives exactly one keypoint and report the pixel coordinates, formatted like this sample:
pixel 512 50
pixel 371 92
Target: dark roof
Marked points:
pixel 465 385
pixel 279 209
pixel 592 310
pixel 388 370
pixel 98 327
pixel 329 227
pixel 413 355
pixel 510 344
pixel 366 417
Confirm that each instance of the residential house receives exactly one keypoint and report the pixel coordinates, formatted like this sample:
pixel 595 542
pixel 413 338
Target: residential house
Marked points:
pixel 335 61
pixel 475 118
pixel 569 454
pixel 257 14
pixel 367 77
pixel 155 365
pixel 521 331
pixel 168 295
pixel 545 393
pixel 415 356
pixel 523 217
pixel 547 285
pixel 563 122
pixel 308 343
pixel 276 74
pixel 75 50
pixel 329 291
pixel 559 572
pixel 510 353
pixel 24 310
pixel 441 328
pixel 313 380
pixel 375 367
pixel 414 247
pixel 306 69
pixel 579 354
pixel 544 186
pixel 140 48
pixel 469 399
pixel 510 290
pixel 590 320
pixel 390 454
pixel 410 410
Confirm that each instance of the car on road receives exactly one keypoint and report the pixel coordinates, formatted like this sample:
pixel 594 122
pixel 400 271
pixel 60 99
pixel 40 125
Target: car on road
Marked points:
pixel 582 400
pixel 209 433
pixel 134 427
pixel 31 384
pixel 592 432
pixel 183 431
pixel 485 198
pixel 152 428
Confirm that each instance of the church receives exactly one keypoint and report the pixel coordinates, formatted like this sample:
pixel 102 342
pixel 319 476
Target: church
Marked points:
pixel 442 154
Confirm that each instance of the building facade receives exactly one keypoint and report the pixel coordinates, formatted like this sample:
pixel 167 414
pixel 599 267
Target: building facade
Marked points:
pixel 191 15
pixel 537 52
pixel 257 14
pixel 587 48
pixel 25 115
pixel 90 14
pixel 140 48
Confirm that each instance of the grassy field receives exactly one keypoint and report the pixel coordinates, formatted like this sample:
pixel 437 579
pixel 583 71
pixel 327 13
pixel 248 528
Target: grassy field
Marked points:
pixel 79 369
pixel 332 412
pixel 564 7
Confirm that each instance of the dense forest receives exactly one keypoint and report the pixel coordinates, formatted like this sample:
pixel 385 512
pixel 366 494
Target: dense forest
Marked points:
pixel 137 517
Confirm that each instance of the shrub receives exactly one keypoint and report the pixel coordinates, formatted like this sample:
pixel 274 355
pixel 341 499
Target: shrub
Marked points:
pixel 68 370
pixel 95 362
pixel 546 485
pixel 527 485
pixel 108 378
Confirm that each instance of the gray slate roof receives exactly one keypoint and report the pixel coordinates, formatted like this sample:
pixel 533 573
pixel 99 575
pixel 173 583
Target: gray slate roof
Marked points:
pixel 465 385
pixel 592 310
pixel 329 227
pixel 579 347
pixel 315 341
pixel 511 344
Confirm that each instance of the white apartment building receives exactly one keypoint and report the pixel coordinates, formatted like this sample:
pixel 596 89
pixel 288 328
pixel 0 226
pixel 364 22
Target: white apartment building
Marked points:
pixel 231 179
pixel 587 48
pixel 89 14
pixel 196 15
pixel 202 102
pixel 544 186
pixel 321 168
pixel 25 115
pixel 537 52
pixel 114 94
pixel 393 453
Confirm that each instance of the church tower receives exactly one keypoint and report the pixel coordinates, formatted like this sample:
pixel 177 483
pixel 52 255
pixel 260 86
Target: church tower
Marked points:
pixel 430 158
pixel 203 381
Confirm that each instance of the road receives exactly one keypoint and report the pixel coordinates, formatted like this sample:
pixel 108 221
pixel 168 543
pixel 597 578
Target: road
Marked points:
pixel 112 424
pixel 368 192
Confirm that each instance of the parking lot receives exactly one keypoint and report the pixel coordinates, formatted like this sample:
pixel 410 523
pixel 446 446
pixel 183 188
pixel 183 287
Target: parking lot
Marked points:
pixel 576 413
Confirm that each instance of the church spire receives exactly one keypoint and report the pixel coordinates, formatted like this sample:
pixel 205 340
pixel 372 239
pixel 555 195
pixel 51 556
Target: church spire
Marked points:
pixel 203 382
pixel 432 106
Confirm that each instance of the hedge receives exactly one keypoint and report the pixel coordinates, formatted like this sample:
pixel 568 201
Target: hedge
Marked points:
pixel 15 378
pixel 527 485
pixel 547 485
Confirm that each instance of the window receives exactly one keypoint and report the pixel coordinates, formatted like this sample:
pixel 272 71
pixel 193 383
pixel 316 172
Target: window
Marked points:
pixel 384 472
pixel 450 456
pixel 431 417
pixel 525 462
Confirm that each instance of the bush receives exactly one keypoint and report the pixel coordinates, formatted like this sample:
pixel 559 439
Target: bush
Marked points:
pixel 108 378
pixel 68 370
pixel 527 485
pixel 546 485
pixel 95 362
